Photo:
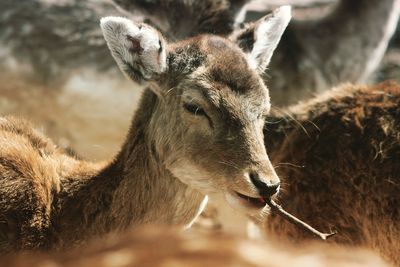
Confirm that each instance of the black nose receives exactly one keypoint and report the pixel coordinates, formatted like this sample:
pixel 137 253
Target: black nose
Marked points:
pixel 266 190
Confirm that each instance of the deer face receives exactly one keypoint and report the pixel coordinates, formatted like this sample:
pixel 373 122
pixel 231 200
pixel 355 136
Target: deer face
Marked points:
pixel 207 124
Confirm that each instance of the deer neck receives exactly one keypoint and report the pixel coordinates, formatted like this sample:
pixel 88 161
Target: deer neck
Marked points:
pixel 134 189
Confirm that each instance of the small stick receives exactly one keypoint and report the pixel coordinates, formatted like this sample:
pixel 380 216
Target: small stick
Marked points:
pixel 292 219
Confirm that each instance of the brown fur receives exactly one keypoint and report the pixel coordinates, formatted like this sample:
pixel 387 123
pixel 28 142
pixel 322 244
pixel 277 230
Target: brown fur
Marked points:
pixel 339 158
pixel 171 157
pixel 168 247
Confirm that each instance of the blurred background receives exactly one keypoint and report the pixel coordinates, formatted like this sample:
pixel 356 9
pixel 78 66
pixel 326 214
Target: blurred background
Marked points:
pixel 56 71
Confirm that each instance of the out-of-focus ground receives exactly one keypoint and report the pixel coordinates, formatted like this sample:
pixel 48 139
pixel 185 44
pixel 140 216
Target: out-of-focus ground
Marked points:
pixel 161 246
pixel 89 119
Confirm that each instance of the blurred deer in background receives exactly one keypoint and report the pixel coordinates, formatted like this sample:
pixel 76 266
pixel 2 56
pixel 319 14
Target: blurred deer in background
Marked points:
pixel 338 156
pixel 345 46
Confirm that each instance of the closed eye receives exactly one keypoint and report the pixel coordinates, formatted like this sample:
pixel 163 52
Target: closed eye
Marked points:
pixel 194 109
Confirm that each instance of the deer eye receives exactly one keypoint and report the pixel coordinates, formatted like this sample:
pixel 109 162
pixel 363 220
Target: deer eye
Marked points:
pixel 194 109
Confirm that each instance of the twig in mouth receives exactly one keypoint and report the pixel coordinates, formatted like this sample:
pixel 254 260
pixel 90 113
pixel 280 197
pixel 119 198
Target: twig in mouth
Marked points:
pixel 292 219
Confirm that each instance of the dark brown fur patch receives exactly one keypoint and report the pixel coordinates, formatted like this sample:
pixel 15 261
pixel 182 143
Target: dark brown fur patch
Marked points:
pixel 338 157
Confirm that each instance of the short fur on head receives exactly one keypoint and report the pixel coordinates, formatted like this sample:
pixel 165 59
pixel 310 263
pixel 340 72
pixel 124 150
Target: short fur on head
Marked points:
pixel 261 38
pixel 210 98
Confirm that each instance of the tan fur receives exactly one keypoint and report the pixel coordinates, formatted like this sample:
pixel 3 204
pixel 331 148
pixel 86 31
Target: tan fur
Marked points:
pixel 338 156
pixel 50 200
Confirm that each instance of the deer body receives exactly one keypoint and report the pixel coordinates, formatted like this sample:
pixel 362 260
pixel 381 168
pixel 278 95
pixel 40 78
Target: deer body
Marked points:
pixel 344 161
pixel 133 190
pixel 198 129
pixel 72 200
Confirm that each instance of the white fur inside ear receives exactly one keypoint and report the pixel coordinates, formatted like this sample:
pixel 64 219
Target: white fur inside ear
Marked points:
pixel 267 36
pixel 147 59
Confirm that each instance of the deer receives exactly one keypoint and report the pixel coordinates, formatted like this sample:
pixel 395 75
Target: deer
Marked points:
pixel 339 153
pixel 43 64
pixel 151 246
pixel 198 129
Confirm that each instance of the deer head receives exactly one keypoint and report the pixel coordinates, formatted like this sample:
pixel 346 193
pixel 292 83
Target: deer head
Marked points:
pixel 206 125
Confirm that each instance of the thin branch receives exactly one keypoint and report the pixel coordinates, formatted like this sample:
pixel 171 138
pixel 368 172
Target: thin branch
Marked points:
pixel 294 220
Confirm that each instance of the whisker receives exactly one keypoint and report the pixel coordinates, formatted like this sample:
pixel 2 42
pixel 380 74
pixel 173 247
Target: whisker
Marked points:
pixel 288 164
pixel 293 119
pixel 230 164
pixel 170 90
pixel 274 122
pixel 314 125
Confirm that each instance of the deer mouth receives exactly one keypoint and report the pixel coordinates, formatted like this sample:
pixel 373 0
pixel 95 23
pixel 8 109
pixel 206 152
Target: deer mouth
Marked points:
pixel 258 202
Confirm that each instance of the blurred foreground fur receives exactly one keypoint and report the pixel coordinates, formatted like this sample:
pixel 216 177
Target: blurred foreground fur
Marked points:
pixel 167 247
pixel 338 156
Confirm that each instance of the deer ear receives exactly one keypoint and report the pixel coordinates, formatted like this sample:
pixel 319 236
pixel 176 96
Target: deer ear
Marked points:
pixel 138 49
pixel 260 39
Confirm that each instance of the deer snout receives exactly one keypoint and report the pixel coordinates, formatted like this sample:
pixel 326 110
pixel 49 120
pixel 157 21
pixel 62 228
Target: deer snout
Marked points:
pixel 266 187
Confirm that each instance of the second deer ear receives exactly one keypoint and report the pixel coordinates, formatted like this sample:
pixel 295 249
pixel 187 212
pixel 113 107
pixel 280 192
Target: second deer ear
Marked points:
pixel 260 39
pixel 138 49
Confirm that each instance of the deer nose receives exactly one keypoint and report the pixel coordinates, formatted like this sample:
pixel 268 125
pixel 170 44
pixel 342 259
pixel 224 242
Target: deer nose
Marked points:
pixel 265 189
